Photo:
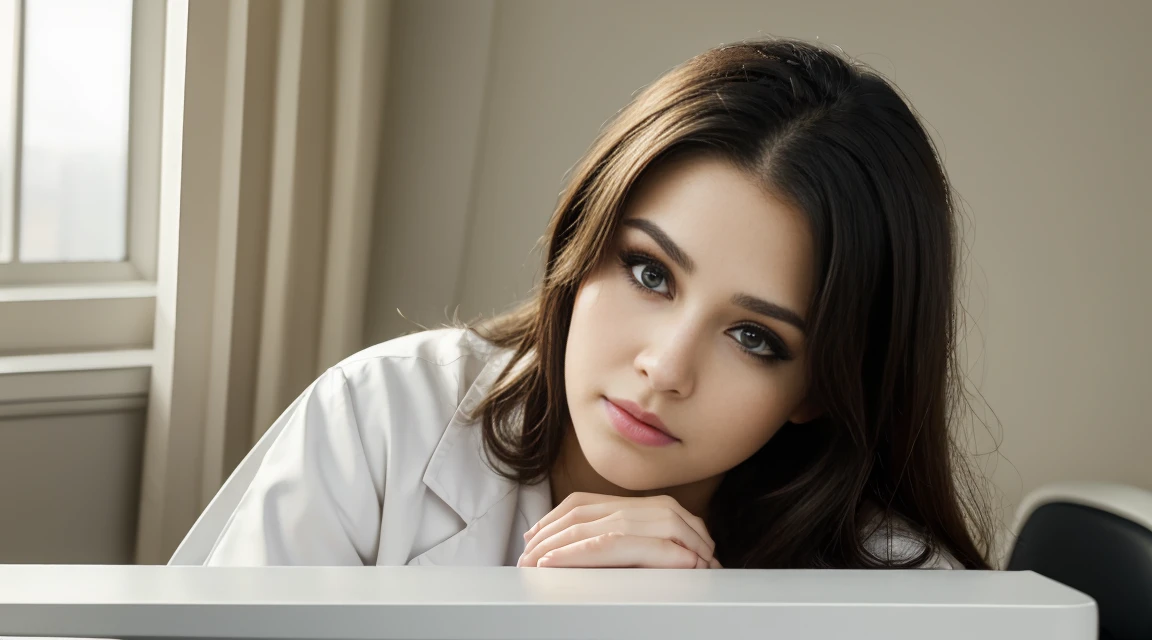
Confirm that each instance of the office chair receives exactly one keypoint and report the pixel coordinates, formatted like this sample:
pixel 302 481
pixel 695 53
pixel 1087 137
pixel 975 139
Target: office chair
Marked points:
pixel 1096 538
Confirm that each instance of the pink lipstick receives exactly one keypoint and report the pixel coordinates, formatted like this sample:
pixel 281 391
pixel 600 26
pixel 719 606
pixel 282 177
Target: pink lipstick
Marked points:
pixel 637 425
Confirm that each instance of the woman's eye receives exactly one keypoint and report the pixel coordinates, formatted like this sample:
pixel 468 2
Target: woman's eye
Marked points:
pixel 650 277
pixel 752 339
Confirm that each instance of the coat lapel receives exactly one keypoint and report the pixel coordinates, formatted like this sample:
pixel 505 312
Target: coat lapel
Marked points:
pixel 459 475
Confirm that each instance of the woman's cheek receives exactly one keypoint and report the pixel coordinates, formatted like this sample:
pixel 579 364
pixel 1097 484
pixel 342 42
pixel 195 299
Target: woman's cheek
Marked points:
pixel 749 416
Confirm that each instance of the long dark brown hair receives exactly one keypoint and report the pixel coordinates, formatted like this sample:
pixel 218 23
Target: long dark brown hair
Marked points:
pixel 835 140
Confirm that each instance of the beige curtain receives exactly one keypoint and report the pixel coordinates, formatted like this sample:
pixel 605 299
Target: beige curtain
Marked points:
pixel 269 152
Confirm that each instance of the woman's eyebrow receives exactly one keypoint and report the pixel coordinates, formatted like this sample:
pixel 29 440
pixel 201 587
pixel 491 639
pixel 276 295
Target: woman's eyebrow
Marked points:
pixel 769 309
pixel 657 234
pixel 678 255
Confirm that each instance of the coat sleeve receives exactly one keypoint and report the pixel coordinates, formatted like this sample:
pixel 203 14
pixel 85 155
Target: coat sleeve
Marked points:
pixel 313 500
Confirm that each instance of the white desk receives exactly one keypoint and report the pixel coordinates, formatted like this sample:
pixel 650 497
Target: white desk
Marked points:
pixel 508 603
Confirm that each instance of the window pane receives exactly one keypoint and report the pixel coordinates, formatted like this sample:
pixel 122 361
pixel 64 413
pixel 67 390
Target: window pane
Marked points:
pixel 74 163
pixel 9 55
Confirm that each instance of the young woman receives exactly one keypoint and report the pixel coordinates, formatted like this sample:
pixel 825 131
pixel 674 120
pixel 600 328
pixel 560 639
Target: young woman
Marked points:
pixel 741 354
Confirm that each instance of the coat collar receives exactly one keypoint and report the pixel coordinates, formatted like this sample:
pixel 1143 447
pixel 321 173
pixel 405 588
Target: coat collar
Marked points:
pixel 458 471
pixel 490 505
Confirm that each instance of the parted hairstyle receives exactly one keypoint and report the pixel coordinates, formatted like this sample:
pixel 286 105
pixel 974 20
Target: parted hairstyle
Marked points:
pixel 838 143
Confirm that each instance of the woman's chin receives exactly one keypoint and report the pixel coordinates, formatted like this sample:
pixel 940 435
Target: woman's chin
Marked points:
pixel 627 468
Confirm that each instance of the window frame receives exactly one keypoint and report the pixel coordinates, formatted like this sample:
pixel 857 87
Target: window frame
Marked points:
pixel 145 90
pixel 58 307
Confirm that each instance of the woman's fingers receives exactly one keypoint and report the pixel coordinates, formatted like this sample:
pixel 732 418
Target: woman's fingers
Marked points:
pixel 576 499
pixel 587 501
pixel 652 508
pixel 649 522
pixel 619 550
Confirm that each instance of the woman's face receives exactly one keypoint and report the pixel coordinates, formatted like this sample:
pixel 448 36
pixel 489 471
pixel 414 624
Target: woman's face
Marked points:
pixel 696 317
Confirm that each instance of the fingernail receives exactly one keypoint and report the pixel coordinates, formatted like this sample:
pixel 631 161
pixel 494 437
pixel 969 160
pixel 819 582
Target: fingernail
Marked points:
pixel 527 534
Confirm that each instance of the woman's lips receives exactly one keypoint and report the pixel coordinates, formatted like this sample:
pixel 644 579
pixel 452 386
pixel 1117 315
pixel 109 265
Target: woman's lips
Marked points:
pixel 634 429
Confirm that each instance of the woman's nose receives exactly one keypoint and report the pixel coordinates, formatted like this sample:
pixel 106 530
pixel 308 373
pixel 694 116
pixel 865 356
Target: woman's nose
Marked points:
pixel 667 362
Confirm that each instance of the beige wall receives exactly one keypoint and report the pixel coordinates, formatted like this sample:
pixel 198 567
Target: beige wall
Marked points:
pixel 69 487
pixel 1041 107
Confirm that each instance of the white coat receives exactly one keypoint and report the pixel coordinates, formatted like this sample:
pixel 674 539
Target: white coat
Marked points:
pixel 377 463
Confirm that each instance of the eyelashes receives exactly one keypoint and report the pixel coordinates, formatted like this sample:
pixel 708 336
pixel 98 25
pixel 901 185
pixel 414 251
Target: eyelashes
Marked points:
pixel 653 267
pixel 632 259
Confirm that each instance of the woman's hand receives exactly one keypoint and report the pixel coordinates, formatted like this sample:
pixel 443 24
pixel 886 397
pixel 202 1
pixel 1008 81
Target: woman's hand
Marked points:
pixel 592 530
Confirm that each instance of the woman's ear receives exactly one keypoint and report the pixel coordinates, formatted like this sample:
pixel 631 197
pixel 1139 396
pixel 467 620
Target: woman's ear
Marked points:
pixel 806 411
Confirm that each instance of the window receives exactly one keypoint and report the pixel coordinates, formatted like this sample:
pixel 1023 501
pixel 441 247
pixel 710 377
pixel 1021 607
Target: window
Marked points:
pixel 76 108
pixel 72 157
pixel 80 110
